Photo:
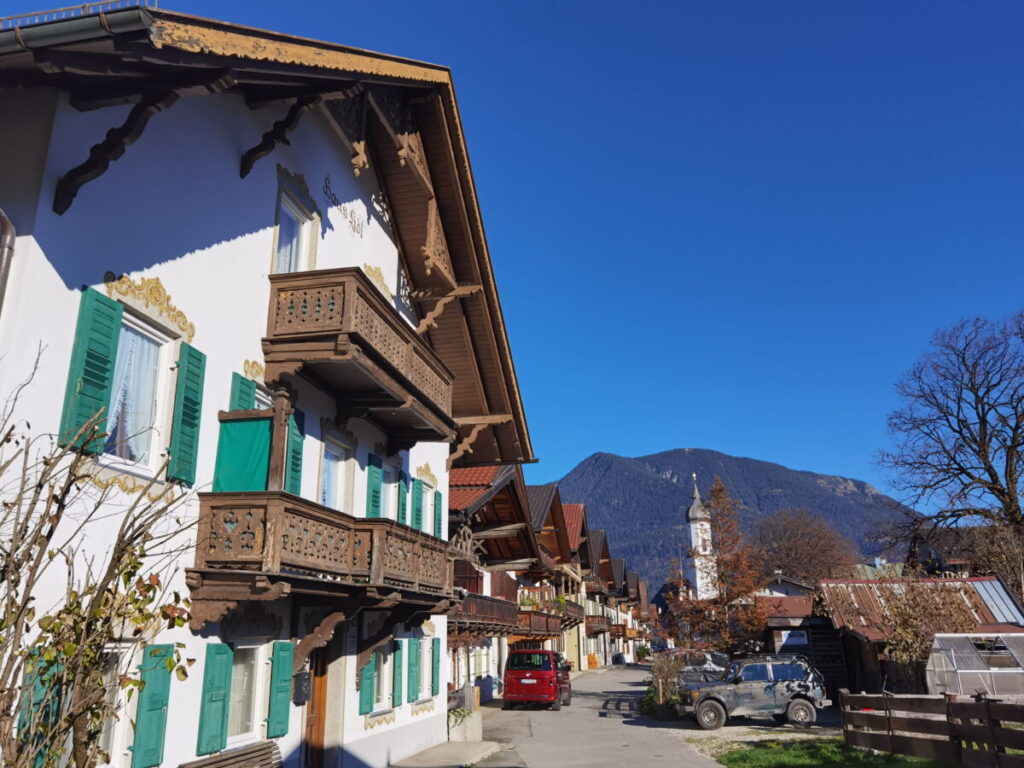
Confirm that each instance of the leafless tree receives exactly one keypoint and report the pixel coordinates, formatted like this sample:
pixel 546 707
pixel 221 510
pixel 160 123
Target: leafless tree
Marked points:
pixel 960 431
pixel 81 569
pixel 802 546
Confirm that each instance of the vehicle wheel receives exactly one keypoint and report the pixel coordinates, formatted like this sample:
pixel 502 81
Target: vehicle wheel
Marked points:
pixel 567 701
pixel 506 705
pixel 710 715
pixel 800 712
pixel 556 704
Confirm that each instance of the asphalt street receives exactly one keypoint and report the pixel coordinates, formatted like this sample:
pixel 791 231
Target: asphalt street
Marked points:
pixel 602 728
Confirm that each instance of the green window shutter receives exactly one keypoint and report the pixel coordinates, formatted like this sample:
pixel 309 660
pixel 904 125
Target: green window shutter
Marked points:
pixel 437 514
pixel 151 712
pixel 293 472
pixel 414 669
pixel 40 708
pixel 213 710
pixel 243 393
pixel 91 375
pixel 243 456
pixel 435 672
pixel 279 710
pixel 396 679
pixel 367 694
pixel 403 497
pixel 417 505
pixel 374 480
pixel 188 408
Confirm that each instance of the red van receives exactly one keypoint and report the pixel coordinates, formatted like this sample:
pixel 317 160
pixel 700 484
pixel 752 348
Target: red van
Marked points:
pixel 536 676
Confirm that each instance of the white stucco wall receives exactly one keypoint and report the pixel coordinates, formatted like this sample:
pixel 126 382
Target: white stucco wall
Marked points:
pixel 174 207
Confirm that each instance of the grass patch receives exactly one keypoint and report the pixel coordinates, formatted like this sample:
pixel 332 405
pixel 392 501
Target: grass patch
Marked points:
pixel 791 754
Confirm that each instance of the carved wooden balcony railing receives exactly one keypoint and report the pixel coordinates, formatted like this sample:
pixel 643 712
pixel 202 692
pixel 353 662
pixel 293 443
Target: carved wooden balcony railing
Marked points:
pixel 539 623
pixel 572 614
pixel 596 586
pixel 597 624
pixel 336 325
pixel 274 534
pixel 484 615
pixel 618 631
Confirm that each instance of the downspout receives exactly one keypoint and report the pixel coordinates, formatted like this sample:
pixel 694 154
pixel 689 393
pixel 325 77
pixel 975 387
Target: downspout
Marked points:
pixel 6 253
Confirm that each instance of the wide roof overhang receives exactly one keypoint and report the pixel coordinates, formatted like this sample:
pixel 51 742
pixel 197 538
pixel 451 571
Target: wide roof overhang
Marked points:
pixel 131 55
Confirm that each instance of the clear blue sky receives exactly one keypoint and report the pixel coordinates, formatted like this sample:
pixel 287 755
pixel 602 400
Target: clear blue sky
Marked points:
pixel 726 225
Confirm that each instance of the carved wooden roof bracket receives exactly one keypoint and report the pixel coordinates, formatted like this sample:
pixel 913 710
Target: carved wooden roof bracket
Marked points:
pixel 430 319
pixel 479 423
pixel 349 116
pixel 278 133
pixel 111 148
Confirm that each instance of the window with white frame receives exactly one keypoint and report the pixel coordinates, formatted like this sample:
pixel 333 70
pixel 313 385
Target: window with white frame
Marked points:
pixel 382 680
pixel 334 475
pixel 248 670
pixel 139 396
pixel 426 670
pixel 389 491
pixel 111 674
pixel 294 235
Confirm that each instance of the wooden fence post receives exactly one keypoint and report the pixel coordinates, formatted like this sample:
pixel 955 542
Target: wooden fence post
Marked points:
pixel 992 725
pixel 954 737
pixel 888 718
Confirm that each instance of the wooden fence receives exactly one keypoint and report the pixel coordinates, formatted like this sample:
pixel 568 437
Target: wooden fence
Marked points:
pixel 949 729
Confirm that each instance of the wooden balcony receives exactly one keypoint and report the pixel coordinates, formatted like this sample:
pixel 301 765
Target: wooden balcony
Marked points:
pixel 572 614
pixel 484 615
pixel 336 327
pixel 596 586
pixel 618 631
pixel 596 625
pixel 632 634
pixel 539 624
pixel 260 545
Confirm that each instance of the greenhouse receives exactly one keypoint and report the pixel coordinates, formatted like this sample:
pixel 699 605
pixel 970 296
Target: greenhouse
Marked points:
pixel 987 664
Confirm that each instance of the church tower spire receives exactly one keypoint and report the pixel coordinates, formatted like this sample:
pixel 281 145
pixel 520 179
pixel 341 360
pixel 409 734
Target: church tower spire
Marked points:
pixel 701 565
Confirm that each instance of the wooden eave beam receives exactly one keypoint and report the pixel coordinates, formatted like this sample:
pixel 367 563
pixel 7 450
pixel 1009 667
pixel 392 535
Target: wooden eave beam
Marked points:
pixel 498 530
pixel 521 564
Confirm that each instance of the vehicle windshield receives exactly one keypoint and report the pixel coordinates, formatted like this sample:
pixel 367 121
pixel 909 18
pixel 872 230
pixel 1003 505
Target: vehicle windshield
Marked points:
pixel 533 661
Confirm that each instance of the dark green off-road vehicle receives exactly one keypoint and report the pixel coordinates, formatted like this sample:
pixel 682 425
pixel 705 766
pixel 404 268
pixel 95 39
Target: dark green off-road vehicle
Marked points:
pixel 785 687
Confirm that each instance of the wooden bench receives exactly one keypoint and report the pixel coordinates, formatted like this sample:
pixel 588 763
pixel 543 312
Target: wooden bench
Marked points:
pixel 263 754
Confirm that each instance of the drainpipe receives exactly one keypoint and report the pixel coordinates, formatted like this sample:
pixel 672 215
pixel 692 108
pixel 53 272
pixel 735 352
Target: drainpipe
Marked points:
pixel 6 253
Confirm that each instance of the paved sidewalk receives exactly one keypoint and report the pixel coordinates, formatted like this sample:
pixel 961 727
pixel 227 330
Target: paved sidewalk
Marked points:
pixel 452 754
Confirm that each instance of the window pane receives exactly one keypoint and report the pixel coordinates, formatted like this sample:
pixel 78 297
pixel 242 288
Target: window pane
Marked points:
pixel 790 670
pixel 289 237
pixel 111 670
pixel 243 686
pixel 387 493
pixel 754 673
pixel 330 482
pixel 381 683
pixel 132 408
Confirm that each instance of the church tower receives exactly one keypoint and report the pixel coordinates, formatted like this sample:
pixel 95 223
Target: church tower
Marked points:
pixel 701 569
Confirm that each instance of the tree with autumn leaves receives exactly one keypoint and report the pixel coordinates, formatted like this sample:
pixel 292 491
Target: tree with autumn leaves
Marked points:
pixel 732 620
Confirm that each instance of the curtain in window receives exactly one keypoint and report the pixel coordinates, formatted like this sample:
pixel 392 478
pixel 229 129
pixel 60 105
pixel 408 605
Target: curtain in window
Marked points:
pixel 133 399
pixel 289 231
pixel 329 479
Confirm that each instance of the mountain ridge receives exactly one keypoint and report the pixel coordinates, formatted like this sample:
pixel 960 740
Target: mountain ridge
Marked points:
pixel 641 502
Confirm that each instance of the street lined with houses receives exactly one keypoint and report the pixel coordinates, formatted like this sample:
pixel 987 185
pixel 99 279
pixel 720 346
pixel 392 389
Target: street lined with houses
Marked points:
pixel 270 493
